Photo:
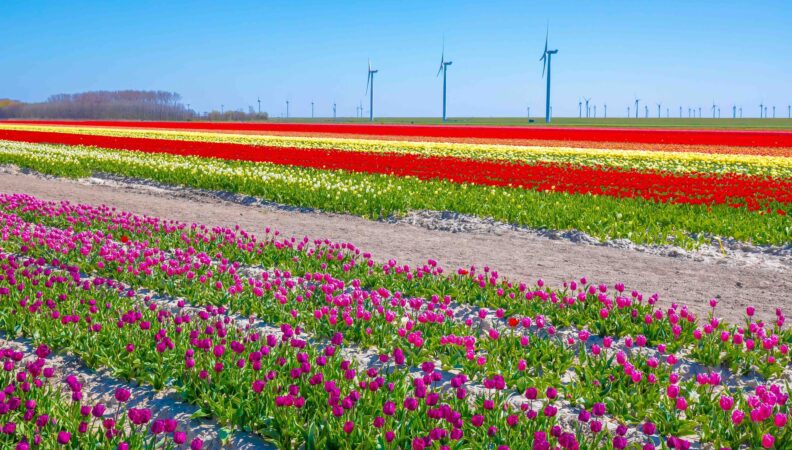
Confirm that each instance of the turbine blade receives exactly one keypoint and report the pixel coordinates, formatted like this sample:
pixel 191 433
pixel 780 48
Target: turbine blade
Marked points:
pixel 368 81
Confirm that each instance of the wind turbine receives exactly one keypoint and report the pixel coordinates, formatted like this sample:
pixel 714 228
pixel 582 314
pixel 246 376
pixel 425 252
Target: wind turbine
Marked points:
pixel 628 112
pixel 719 112
pixel 605 115
pixel 587 106
pixel 765 112
pixel 658 110
pixel 699 112
pixel 647 110
pixel 636 106
pixel 713 109
pixel 680 112
pixel 773 111
pixel 370 82
pixel 789 111
pixel 547 57
pixel 312 110
pixel 761 108
pixel 740 112
pixel 668 112
pixel 334 110
pixel 734 111
pixel 595 111
pixel 580 109
pixel 287 109
pixel 259 103
pixel 443 68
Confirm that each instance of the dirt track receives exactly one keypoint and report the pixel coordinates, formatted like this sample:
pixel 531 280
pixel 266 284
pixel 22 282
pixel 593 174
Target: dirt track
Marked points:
pixel 516 256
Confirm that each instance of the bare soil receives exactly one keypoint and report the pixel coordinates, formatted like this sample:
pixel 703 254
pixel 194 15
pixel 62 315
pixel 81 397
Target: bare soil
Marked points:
pixel 517 256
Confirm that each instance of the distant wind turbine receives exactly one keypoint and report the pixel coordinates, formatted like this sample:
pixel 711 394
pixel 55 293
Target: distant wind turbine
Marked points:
pixel 628 112
pixel 734 111
pixel 443 68
pixel 773 111
pixel 588 114
pixel 647 110
pixel 547 57
pixel 287 109
pixel 595 111
pixel 580 109
pixel 259 103
pixel 605 115
pixel 680 112
pixel 658 110
pixel 370 83
pixel 312 110
pixel 636 106
pixel 761 109
pixel 713 109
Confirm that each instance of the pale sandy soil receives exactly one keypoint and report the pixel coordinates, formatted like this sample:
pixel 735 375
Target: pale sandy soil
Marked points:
pixel 762 282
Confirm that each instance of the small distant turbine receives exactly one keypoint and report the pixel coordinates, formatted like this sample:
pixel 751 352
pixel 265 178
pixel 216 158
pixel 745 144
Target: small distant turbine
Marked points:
pixel 647 110
pixel 312 110
pixel 595 111
pixel 259 103
pixel 734 111
pixel 547 57
pixel 636 106
pixel 658 110
pixel 287 109
pixel 680 112
pixel 773 111
pixel 444 68
pixel 588 114
pixel 761 109
pixel 605 115
pixel 628 112
pixel 713 109
pixel 370 82
pixel 334 110
pixel 580 109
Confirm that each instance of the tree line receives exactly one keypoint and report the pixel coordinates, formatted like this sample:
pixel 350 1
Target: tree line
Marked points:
pixel 116 105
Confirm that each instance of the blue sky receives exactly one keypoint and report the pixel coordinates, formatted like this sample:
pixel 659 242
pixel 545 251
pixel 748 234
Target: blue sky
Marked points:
pixel 212 53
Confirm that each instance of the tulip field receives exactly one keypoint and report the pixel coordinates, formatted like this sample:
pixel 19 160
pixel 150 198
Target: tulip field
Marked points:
pixel 313 344
pixel 735 185
pixel 308 343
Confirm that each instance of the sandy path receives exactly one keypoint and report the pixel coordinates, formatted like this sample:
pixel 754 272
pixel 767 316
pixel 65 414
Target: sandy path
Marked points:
pixel 516 256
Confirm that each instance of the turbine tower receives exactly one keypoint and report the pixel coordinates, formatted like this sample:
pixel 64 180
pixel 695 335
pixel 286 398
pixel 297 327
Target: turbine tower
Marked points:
pixel 444 68
pixel 734 111
pixel 636 106
pixel 370 84
pixel 595 111
pixel 658 110
pixel 259 103
pixel 605 115
pixel 628 112
pixel 312 110
pixel 647 110
pixel 334 110
pixel 680 112
pixel 287 109
pixel 713 109
pixel 580 109
pixel 587 106
pixel 761 108
pixel 547 57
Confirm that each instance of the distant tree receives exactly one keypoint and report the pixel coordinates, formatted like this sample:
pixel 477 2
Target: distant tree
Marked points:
pixel 114 105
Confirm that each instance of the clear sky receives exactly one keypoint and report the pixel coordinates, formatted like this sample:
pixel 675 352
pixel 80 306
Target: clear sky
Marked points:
pixel 216 52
